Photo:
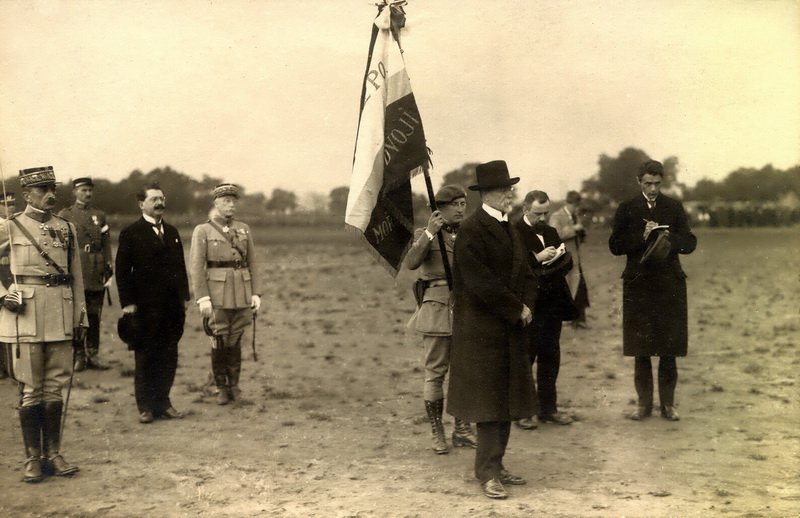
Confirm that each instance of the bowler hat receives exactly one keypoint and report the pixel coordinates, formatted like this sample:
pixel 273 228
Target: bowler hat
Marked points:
pixel 128 328
pixel 77 182
pixel 37 177
pixel 492 175
pixel 449 193
pixel 658 248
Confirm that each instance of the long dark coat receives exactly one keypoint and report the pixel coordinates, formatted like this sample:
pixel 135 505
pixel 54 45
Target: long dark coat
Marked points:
pixel 152 274
pixel 654 314
pixel 490 370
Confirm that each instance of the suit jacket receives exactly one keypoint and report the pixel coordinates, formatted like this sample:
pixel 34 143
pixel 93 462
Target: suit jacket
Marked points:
pixel 490 370
pixel 561 220
pixel 653 294
pixel 554 300
pixel 434 316
pixel 152 274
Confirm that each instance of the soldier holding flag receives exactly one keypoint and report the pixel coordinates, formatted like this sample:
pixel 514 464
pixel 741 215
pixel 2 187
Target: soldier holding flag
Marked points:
pixel 40 316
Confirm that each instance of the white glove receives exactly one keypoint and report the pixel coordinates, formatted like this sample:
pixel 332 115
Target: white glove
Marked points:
pixel 256 302
pixel 206 309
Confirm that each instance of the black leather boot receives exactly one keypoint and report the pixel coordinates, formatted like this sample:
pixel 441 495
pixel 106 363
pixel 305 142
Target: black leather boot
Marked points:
pixel 234 366
pixel 434 410
pixel 219 370
pixel 30 418
pixel 52 440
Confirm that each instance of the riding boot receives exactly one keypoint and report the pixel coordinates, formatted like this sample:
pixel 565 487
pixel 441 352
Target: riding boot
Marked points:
pixel 434 410
pixel 30 418
pixel 52 440
pixel 93 345
pixel 234 365
pixel 79 358
pixel 218 369
pixel 463 435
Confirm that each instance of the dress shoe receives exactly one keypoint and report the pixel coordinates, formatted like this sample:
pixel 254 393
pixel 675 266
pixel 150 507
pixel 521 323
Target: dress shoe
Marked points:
pixel 171 413
pixel 33 470
pixel 512 480
pixel 494 489
pixel 527 423
pixel 146 417
pixel 557 418
pixel 668 412
pixel 60 467
pixel 640 413
pixel 223 396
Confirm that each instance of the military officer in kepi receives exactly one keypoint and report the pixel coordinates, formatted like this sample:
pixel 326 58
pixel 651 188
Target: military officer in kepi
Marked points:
pixel 433 318
pixel 94 244
pixel 226 281
pixel 41 315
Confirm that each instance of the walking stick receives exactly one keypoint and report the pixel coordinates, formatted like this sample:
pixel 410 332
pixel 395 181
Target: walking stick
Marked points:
pixel 255 356
pixel 71 375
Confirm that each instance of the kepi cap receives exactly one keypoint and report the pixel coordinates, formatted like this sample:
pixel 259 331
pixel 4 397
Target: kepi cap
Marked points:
pixel 37 177
pixel 226 189
pixel 77 182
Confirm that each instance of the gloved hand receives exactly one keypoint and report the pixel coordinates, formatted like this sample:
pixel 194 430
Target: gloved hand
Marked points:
pixel 206 309
pixel 13 302
pixel 255 302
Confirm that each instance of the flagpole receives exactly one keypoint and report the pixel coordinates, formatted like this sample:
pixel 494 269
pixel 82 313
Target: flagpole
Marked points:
pixel 432 201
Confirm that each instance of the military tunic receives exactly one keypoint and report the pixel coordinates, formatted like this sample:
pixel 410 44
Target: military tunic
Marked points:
pixel 53 306
pixel 94 243
pixel 223 266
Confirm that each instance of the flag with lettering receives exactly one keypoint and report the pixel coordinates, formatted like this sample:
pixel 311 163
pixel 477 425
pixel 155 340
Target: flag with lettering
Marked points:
pixel 390 146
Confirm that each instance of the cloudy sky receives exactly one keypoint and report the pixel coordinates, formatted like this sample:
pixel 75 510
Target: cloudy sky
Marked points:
pixel 265 92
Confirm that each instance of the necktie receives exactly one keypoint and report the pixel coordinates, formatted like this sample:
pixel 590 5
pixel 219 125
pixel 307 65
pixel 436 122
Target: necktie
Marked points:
pixel 159 231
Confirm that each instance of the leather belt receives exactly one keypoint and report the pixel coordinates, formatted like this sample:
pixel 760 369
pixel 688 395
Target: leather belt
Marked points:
pixel 55 279
pixel 226 264
pixel 434 283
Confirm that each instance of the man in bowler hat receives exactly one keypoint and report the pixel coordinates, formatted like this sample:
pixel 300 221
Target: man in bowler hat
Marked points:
pixel 433 316
pixel 41 313
pixel 153 289
pixel 654 313
pixel 94 244
pixel 494 292
pixel 226 280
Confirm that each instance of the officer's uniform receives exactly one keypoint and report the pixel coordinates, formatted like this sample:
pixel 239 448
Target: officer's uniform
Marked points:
pixel 223 267
pixel 434 320
pixel 94 244
pixel 40 336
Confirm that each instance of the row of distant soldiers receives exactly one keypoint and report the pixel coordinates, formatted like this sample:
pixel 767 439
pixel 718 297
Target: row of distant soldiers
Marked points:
pixel 56 270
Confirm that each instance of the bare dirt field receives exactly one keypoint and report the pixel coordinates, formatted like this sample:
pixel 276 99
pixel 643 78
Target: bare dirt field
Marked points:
pixel 332 422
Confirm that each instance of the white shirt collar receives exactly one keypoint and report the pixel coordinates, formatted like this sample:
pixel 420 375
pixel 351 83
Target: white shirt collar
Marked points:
pixel 150 220
pixel 527 221
pixel 648 200
pixel 496 214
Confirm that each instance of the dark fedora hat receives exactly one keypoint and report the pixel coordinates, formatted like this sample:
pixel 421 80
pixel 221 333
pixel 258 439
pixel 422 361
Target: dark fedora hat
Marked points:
pixel 658 248
pixel 128 328
pixel 492 175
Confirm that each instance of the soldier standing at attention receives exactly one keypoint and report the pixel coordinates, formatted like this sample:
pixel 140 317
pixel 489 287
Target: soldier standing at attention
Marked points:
pixel 433 317
pixel 94 244
pixel 40 316
pixel 227 286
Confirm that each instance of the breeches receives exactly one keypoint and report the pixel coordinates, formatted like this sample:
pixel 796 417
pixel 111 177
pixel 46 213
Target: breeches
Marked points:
pixel 437 362
pixel 229 324
pixel 43 368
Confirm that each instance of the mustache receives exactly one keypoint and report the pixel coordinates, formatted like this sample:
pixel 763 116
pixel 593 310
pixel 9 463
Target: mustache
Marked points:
pixel 160 206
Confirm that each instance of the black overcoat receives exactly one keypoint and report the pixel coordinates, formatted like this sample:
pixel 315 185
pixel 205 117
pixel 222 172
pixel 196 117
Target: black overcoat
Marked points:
pixel 654 314
pixel 490 370
pixel 152 274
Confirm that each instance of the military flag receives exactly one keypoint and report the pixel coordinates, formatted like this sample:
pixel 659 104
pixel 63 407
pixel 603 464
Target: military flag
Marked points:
pixel 390 145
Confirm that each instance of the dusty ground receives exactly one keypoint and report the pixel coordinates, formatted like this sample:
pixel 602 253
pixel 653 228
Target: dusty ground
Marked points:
pixel 332 422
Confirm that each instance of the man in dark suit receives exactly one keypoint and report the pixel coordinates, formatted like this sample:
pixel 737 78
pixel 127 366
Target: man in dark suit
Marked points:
pixel 153 286
pixel 493 290
pixel 654 314
pixel 553 304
